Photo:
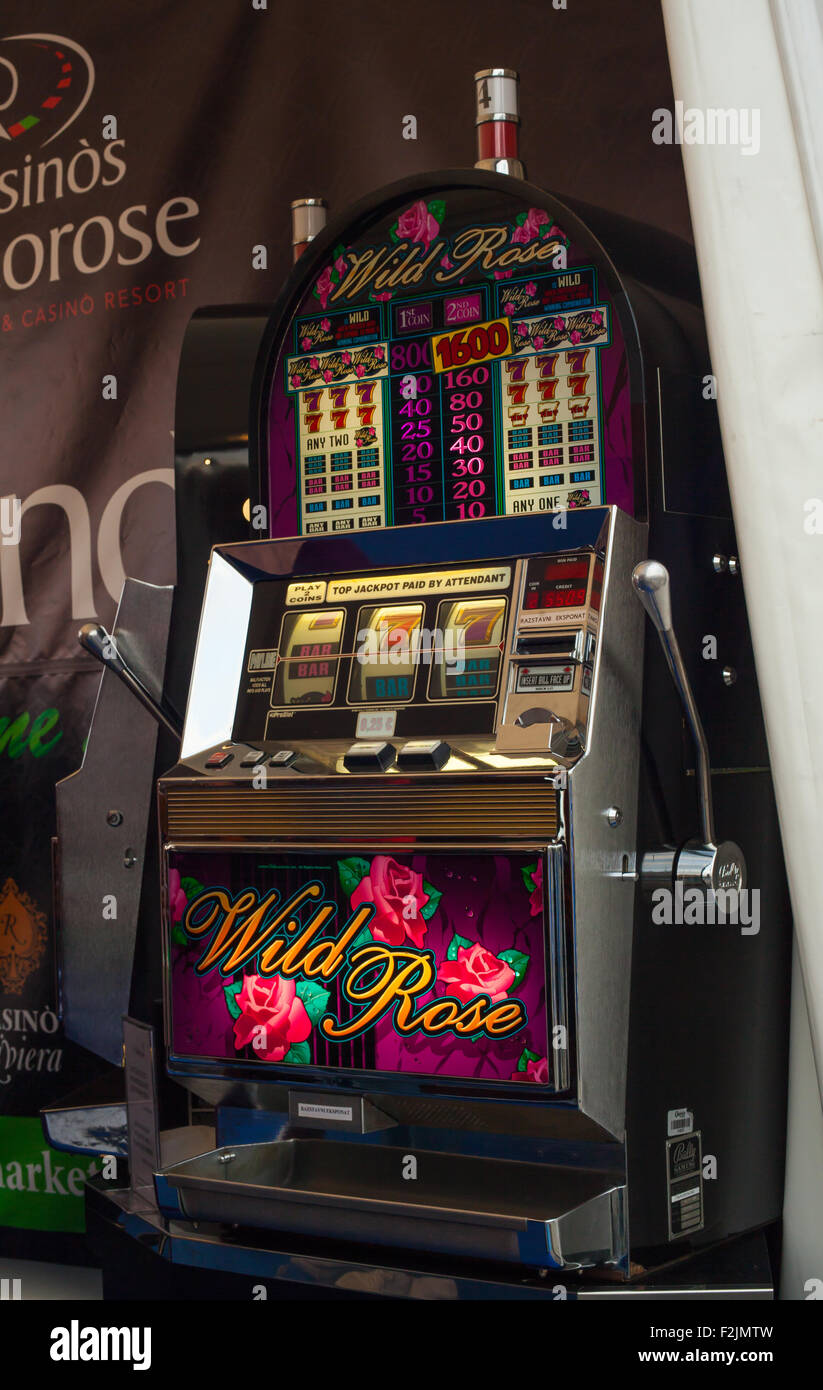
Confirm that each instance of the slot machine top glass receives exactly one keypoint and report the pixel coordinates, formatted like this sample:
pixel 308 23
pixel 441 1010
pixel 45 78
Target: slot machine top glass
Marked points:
pixel 458 347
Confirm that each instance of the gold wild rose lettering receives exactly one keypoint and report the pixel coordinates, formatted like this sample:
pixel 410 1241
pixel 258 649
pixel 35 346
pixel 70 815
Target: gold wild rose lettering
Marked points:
pixel 245 930
pixel 384 977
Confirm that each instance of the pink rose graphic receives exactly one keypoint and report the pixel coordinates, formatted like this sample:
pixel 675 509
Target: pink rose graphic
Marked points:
pixel 417 224
pixel 574 336
pixel 522 330
pixel 398 895
pixel 535 1071
pixel 531 288
pixel 360 369
pixel 536 897
pixel 324 286
pixel 446 263
pixel 378 354
pixel 509 309
pixel 314 363
pixel 271 1004
pixel 597 318
pixel 382 297
pixel 503 274
pixel 296 380
pixel 327 376
pixel 538 342
pixel 325 324
pixel 559 323
pixel 346 359
pixel 341 266
pixel 305 344
pixel 535 219
pixel 177 898
pixel 476 971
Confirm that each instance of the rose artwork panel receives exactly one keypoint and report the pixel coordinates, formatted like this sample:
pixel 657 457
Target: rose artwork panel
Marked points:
pixel 430 964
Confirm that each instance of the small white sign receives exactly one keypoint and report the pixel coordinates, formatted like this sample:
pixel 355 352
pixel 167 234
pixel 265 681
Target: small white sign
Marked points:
pixel 304 592
pixel 376 723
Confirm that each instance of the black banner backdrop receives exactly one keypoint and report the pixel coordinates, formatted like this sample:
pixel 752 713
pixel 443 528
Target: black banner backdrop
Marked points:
pixel 146 149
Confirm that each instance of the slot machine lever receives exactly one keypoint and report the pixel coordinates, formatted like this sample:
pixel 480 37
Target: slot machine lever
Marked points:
pixel 94 639
pixel 701 863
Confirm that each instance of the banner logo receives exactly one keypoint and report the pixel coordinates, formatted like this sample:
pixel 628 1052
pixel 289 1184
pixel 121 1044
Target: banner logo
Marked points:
pixel 45 82
pixel 23 934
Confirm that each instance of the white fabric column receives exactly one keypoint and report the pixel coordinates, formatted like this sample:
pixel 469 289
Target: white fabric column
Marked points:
pixel 757 245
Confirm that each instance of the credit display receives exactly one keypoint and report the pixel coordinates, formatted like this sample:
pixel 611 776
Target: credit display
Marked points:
pixel 459 359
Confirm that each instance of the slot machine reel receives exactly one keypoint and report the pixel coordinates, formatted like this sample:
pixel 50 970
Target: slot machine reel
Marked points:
pixel 704 863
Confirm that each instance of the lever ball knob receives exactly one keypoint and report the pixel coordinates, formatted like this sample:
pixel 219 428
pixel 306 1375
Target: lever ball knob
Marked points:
pixel 651 582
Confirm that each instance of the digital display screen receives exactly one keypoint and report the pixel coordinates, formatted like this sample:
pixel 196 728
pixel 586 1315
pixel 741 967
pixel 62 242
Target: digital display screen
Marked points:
pixel 559 583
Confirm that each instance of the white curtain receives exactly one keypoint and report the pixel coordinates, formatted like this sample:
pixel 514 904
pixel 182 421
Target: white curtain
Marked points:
pixel 758 223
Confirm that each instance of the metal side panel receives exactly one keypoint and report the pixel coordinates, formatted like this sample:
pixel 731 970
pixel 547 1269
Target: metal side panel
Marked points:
pixel 608 777
pixel 100 861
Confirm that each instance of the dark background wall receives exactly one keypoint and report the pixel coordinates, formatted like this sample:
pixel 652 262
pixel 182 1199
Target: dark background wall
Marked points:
pixel 236 111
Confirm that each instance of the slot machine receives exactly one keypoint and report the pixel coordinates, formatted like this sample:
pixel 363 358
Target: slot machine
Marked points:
pixel 451 941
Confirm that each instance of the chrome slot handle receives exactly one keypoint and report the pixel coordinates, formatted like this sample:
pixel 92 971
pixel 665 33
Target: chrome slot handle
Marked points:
pixel 700 863
pixel 94 639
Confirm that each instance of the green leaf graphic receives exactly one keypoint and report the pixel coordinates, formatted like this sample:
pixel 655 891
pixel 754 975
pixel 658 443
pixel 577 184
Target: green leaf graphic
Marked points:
pixel 520 218
pixel 191 887
pixel 518 962
pixel 230 992
pixel 525 1057
pixel 455 944
pixel 393 232
pixel 437 208
pixel 314 999
pixel 528 871
pixel 299 1054
pixel 434 899
pixel 351 872
pixel 178 936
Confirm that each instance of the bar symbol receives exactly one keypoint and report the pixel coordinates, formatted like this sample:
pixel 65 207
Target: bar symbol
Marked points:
pixel 16 1287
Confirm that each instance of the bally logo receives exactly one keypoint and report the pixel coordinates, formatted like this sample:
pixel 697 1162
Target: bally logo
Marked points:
pixel 76 1343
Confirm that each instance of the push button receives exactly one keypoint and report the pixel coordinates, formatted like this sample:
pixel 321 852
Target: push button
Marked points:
pixel 423 753
pixel 218 759
pixel 252 758
pixel 369 757
pixel 284 757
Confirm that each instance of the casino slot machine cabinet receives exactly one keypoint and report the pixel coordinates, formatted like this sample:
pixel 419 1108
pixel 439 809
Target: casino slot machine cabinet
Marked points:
pixel 444 787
